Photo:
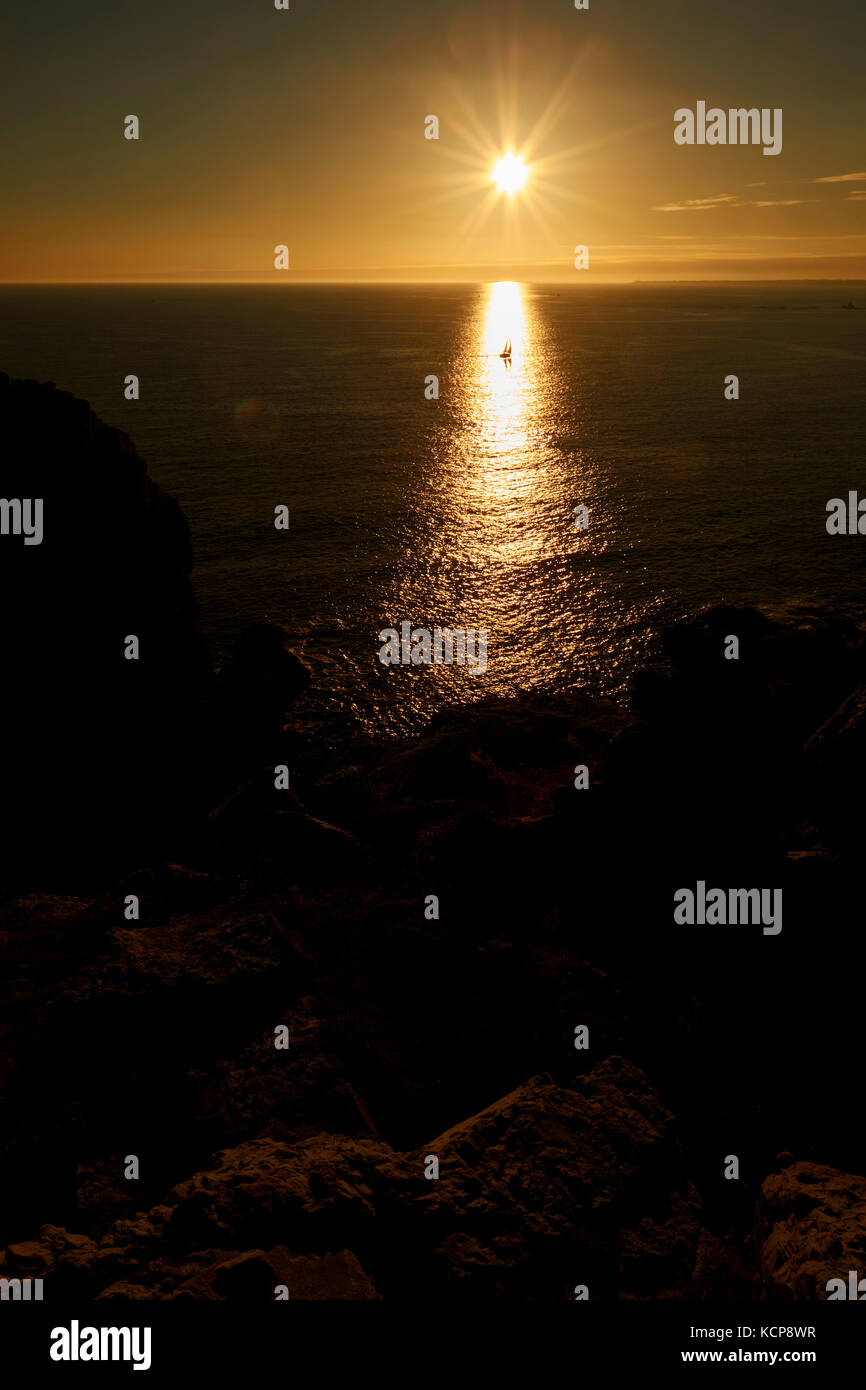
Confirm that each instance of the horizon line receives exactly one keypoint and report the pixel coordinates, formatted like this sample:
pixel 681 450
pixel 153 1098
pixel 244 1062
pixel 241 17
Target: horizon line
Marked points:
pixel 463 280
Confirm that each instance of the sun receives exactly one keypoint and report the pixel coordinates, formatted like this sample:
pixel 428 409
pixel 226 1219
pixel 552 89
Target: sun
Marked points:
pixel 510 173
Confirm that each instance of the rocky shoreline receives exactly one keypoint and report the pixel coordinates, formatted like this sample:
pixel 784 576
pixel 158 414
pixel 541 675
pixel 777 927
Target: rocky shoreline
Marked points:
pixel 415 1030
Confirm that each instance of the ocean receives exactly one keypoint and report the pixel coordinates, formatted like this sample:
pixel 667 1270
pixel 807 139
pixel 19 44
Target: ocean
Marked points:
pixel 459 510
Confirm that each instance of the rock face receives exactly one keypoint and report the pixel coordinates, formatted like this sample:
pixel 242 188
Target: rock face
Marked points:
pixel 547 1188
pixel 553 1178
pixel 812 1221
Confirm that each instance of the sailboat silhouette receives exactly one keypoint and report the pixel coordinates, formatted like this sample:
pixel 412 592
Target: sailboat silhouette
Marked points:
pixel 506 351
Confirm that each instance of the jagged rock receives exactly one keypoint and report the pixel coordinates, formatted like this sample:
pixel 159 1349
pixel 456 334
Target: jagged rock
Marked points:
pixel 812 1227
pixel 659 1253
pixel 244 1276
pixel 31 1258
pixel 201 952
pixel 83 1270
pixel 249 1276
pixel 835 760
pixel 254 1276
pixel 543 1175
pixel 266 1187
pixel 125 1292
pixel 842 738
pixel 719 1272
pixel 101 1188
pixel 287 1094
pixel 337 1276
pixel 549 1169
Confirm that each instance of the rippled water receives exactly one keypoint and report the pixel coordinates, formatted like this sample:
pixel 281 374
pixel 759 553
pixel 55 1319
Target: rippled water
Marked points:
pixel 459 511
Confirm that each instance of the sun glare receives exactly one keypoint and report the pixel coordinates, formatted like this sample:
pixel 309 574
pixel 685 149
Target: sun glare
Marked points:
pixel 510 173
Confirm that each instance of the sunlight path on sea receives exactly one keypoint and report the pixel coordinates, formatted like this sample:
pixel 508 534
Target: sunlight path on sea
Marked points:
pixel 500 549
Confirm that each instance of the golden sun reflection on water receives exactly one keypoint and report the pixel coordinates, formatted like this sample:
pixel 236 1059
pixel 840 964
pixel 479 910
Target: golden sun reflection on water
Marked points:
pixel 494 543
pixel 502 393
pixel 504 316
pixel 501 462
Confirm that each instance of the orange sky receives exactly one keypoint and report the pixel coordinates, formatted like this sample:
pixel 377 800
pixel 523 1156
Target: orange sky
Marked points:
pixel 306 127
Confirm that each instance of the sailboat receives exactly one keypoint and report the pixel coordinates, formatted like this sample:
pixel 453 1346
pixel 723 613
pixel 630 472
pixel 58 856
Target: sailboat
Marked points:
pixel 506 351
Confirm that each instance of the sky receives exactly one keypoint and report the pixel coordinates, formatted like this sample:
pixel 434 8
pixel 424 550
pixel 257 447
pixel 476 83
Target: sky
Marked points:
pixel 306 128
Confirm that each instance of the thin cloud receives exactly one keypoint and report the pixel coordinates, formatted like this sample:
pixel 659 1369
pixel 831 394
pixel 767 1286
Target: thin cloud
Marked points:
pixel 842 178
pixel 729 200
pixel 698 204
pixel 856 197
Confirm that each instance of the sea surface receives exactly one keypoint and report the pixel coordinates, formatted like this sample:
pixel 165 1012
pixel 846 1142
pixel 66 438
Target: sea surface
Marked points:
pixel 459 511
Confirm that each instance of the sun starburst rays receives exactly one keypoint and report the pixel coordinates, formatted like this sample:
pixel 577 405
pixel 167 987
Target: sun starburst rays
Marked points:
pixel 500 179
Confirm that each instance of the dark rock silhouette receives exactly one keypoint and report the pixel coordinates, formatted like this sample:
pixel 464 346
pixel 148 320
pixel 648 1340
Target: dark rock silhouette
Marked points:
pixel 97 745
